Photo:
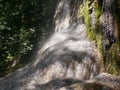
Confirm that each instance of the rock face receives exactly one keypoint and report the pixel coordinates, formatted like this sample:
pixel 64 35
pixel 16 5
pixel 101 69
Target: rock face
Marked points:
pixel 67 61
pixel 102 81
pixel 107 23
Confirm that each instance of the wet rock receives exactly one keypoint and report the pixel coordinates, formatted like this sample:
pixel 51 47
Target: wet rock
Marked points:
pixel 102 81
pixel 107 23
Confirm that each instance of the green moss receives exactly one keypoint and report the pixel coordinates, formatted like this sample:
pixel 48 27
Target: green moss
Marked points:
pixel 112 60
pixel 98 11
pixel 112 69
pixel 99 41
pixel 110 57
pixel 84 12
pixel 77 86
pixel 80 11
pixel 113 54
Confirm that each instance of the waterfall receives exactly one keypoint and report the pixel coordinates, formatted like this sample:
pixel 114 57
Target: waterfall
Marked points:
pixel 62 16
pixel 67 57
pixel 68 53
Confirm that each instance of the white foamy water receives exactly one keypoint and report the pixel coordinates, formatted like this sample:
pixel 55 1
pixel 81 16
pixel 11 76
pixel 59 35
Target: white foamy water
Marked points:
pixel 67 54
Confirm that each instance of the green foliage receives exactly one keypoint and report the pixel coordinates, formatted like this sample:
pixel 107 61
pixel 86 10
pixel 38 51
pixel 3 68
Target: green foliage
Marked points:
pixel 16 20
pixel 13 44
pixel 20 21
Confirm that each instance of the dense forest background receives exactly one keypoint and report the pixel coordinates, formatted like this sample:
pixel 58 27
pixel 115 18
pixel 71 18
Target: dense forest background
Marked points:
pixel 24 24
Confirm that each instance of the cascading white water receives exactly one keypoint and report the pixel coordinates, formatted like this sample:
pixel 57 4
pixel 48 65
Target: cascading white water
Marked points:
pixel 73 55
pixel 62 16
pixel 67 54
